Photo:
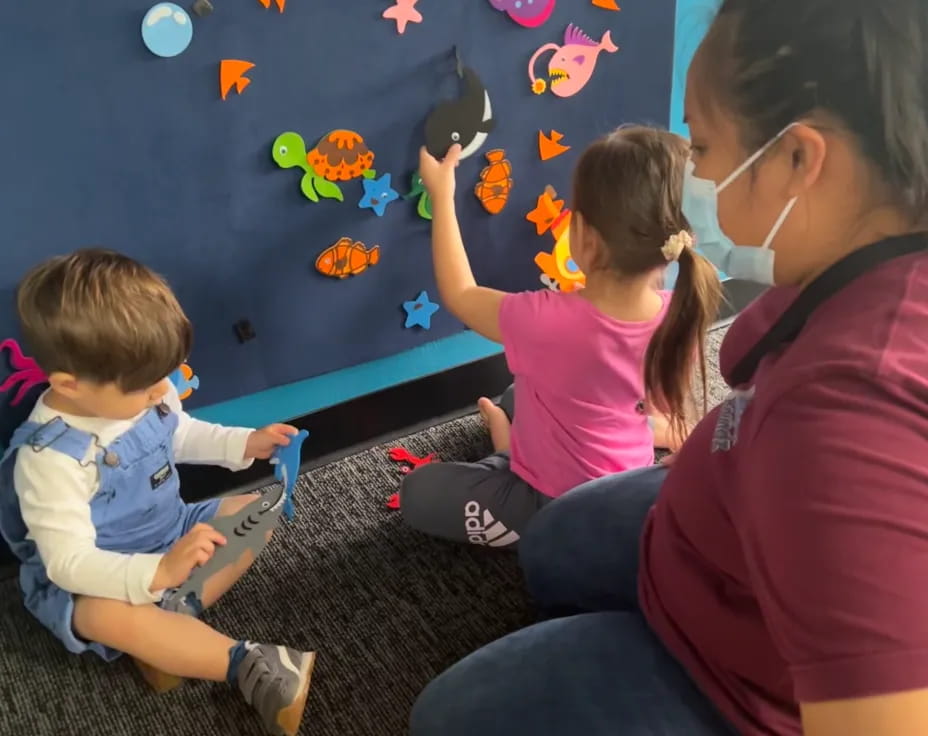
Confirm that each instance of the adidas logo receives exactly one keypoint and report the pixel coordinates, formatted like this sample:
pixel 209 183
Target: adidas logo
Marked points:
pixel 482 528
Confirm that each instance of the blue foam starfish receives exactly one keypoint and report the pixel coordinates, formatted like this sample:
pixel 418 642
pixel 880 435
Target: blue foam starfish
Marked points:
pixel 420 311
pixel 378 194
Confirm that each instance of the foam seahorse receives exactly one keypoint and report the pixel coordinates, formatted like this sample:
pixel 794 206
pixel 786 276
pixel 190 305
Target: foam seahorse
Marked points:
pixel 246 530
pixel 424 208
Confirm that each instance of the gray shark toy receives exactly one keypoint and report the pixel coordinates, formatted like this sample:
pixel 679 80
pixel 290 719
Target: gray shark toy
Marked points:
pixel 248 529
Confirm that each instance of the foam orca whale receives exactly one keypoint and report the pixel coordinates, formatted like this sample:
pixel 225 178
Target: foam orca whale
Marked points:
pixel 466 120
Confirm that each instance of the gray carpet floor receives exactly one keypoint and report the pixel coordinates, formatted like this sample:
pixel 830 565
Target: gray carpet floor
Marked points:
pixel 386 609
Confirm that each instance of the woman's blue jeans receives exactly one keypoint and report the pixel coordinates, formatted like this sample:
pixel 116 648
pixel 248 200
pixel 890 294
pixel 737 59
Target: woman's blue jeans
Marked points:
pixel 597 672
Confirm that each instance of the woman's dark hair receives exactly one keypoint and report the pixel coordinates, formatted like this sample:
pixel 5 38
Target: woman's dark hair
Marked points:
pixel 863 63
pixel 628 187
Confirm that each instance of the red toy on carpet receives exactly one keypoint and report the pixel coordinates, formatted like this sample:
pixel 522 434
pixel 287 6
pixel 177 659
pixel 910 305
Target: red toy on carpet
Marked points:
pixel 409 462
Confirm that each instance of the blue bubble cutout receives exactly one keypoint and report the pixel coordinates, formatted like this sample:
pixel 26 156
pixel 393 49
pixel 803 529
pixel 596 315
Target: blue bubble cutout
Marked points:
pixel 167 29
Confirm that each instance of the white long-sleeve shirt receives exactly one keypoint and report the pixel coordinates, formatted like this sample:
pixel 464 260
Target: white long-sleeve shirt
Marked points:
pixel 55 492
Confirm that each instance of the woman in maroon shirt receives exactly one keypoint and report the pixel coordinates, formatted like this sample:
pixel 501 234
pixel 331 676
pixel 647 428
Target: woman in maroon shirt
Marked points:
pixel 778 583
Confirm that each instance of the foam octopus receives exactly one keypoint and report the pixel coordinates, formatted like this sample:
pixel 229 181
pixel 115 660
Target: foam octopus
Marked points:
pixel 26 372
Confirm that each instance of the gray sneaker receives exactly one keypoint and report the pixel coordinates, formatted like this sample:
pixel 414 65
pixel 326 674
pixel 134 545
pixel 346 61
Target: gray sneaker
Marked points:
pixel 275 682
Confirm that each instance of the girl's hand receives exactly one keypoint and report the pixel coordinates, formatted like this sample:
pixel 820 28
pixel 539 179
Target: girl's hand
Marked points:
pixel 262 442
pixel 438 176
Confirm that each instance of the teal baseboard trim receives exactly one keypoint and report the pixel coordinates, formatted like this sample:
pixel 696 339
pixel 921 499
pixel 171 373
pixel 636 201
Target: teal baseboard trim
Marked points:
pixel 281 403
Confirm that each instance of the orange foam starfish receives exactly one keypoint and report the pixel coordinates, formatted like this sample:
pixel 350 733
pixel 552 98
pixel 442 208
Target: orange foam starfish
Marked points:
pixel 280 4
pixel 548 211
pixel 403 12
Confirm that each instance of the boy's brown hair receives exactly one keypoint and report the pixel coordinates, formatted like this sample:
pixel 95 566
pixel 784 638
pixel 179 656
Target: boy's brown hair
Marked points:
pixel 102 317
pixel 628 186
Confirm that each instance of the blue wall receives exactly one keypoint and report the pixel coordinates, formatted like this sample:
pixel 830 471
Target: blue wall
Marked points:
pixel 102 142
pixel 692 20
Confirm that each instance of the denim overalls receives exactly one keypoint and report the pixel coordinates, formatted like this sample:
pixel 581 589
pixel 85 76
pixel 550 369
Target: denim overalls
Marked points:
pixel 136 509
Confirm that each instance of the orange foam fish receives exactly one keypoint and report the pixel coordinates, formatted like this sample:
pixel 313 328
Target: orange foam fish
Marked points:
pixel 606 4
pixel 231 74
pixel 495 182
pixel 550 146
pixel 347 258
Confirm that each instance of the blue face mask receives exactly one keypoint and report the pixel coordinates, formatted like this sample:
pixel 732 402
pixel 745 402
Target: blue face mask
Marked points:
pixel 700 207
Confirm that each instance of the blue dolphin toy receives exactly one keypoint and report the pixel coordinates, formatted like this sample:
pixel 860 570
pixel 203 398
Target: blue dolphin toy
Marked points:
pixel 286 462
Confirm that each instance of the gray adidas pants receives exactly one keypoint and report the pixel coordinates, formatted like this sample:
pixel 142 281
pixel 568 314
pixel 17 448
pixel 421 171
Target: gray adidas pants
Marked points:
pixel 481 503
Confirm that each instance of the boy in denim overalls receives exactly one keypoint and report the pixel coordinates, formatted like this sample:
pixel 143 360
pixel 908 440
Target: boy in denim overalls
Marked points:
pixel 89 493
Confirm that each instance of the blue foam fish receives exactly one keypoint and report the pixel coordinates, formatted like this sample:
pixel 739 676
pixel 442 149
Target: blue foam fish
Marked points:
pixel 184 381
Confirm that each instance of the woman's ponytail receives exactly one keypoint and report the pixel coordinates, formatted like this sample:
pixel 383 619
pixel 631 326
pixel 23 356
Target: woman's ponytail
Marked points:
pixel 680 340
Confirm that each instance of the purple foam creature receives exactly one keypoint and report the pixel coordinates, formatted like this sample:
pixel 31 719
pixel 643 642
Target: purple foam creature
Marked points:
pixel 26 372
pixel 527 13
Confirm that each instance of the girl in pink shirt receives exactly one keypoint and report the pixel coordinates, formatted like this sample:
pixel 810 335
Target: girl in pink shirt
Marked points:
pixel 594 369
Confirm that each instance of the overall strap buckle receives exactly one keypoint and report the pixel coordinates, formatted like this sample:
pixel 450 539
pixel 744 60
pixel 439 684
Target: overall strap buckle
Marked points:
pixel 47 434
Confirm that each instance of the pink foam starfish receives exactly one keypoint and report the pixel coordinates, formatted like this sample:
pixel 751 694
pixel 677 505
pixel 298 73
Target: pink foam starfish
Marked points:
pixel 26 371
pixel 403 12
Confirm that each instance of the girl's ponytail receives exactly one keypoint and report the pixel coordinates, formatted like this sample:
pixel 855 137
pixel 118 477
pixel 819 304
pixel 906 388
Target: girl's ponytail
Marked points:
pixel 680 340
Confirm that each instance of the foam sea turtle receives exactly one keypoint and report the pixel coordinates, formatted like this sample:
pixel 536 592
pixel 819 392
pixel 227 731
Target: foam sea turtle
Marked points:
pixel 340 155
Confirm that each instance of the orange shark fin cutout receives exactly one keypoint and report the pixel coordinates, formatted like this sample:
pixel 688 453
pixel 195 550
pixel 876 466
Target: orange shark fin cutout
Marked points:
pixel 550 146
pixel 231 74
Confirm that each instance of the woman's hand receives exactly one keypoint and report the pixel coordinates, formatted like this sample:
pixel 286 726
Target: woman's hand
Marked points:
pixel 438 176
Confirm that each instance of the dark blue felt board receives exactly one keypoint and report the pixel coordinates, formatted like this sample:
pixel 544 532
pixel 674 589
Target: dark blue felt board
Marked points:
pixel 102 142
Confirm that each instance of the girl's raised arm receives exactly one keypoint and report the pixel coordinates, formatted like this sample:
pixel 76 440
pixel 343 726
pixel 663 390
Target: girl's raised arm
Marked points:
pixel 476 306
